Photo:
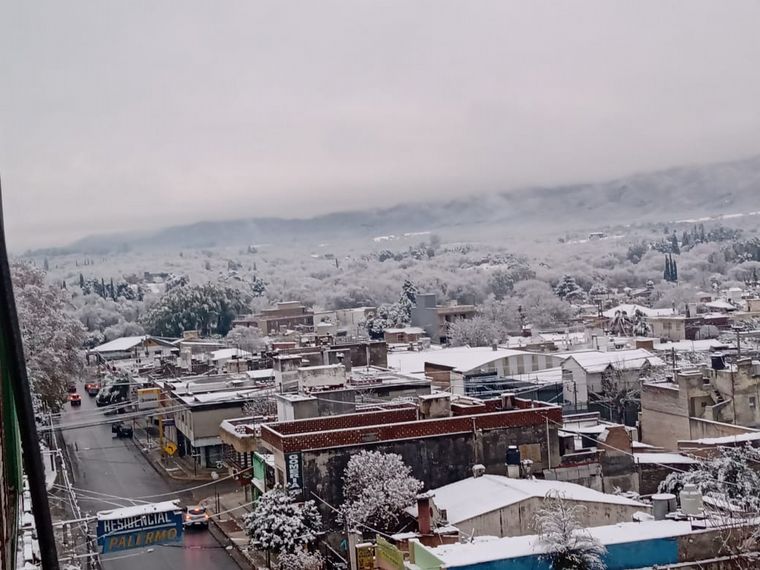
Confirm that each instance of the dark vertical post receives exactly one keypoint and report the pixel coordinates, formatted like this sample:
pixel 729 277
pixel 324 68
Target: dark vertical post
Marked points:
pixel 12 355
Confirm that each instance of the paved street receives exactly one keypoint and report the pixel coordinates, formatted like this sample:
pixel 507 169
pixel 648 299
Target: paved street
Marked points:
pixel 104 464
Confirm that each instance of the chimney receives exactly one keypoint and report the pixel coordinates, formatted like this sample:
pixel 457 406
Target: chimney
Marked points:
pixel 478 470
pixel 424 514
pixel 508 400
pixel 495 345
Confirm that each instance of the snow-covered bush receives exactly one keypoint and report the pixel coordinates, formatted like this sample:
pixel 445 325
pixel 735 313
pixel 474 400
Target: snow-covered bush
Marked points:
pixel 301 560
pixel 377 487
pixel 731 476
pixel 279 524
pixel 568 545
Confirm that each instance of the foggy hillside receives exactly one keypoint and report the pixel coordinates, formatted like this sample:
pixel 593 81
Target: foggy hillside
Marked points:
pixel 673 194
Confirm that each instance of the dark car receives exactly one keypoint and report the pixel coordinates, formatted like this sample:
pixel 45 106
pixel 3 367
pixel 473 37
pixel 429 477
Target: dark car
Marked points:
pixel 121 430
pixel 72 388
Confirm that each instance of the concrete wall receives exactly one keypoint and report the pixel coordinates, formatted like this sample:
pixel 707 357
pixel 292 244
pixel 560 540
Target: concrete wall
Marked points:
pixel 664 416
pixel 519 519
pixel 669 328
pixel 700 429
pixel 436 461
pixel 575 383
pixel 317 376
pixel 205 423
pixel 425 316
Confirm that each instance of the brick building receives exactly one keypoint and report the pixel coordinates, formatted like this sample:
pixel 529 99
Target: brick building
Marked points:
pixel 439 440
pixel 290 315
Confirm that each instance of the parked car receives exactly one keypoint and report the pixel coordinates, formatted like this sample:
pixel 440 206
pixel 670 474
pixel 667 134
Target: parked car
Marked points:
pixel 92 388
pixel 75 399
pixel 72 388
pixel 195 515
pixel 121 430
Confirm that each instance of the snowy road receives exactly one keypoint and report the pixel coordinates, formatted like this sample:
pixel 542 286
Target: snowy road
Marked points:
pixel 109 466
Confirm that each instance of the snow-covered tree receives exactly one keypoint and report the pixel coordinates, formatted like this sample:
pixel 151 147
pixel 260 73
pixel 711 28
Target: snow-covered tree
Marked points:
pixel 501 283
pixel 476 331
pixel 540 305
pixel 387 316
pixel 301 560
pixel 568 545
pixel 568 289
pixel 408 300
pixel 279 524
pixel 246 338
pixel 377 487
pixel 209 308
pixel 730 476
pixel 52 338
pixel 623 324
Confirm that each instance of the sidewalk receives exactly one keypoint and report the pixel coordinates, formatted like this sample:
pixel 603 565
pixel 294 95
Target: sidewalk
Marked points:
pixel 229 527
pixel 178 468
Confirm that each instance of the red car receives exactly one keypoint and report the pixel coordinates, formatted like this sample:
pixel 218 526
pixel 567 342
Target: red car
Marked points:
pixel 92 388
pixel 75 399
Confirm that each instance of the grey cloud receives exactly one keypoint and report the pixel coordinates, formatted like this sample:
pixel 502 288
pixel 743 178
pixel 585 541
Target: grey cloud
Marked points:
pixel 126 115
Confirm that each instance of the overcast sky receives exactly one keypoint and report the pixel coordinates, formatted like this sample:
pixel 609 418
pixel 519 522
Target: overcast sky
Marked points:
pixel 122 115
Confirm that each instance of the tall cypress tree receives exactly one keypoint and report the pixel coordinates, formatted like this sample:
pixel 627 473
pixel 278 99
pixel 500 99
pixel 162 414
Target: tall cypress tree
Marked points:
pixel 666 274
pixel 674 269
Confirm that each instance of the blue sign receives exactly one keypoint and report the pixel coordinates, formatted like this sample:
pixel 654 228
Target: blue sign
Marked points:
pixel 138 529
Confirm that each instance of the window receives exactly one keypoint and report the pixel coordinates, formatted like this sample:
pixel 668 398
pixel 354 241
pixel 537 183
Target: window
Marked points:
pixel 752 402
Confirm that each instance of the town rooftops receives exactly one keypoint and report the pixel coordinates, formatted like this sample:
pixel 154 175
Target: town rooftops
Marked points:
pixel 460 359
pixel 720 305
pixel 706 345
pixel 631 309
pixel 227 353
pixel 595 361
pixel 224 397
pixel 401 423
pixel 647 458
pixel 406 330
pixel 495 549
pixel 127 343
pixel 476 496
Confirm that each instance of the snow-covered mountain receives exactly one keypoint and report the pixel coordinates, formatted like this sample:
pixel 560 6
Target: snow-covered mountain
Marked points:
pixel 674 194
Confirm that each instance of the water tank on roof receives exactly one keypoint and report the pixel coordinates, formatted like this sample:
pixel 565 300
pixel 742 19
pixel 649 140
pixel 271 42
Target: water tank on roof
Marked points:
pixel 691 500
pixel 513 462
pixel 718 361
pixel 663 504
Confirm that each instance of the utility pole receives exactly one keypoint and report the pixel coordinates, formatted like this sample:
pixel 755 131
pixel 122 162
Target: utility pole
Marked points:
pixel 738 344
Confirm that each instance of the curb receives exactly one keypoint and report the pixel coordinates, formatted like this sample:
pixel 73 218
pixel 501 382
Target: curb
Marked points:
pixel 137 442
pixel 158 467
pixel 233 549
